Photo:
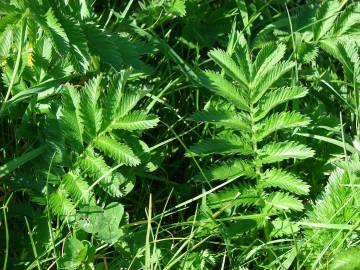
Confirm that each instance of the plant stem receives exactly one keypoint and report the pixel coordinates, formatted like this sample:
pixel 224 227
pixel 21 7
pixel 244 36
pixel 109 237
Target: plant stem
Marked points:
pixel 17 63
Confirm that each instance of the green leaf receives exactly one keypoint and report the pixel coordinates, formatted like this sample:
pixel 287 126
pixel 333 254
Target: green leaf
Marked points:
pixel 70 118
pixel 47 88
pixel 116 150
pixel 77 187
pixel 6 40
pixel 278 151
pixel 277 97
pixel 137 120
pixel 102 44
pixel 89 113
pixel 60 203
pixel 79 54
pixel 229 66
pixel 128 101
pixel 284 201
pixel 347 259
pixel 244 195
pixel 113 98
pixel 347 20
pixel 102 222
pixel 222 87
pixel 177 7
pixel 227 170
pixel 282 228
pixel 223 118
pixel 56 32
pixel 230 144
pixel 279 121
pixel 77 253
pixel 264 82
pixel 325 18
pixel 95 167
pixel 266 60
pixel 284 180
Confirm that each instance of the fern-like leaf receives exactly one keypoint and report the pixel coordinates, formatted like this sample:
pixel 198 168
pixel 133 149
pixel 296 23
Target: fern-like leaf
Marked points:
pixel 278 121
pixel 56 32
pixel 77 187
pixel 264 82
pixel 90 115
pixel 223 118
pixel 278 151
pixel 94 166
pixel 266 59
pixel 284 180
pixel 128 101
pixel 277 97
pixel 113 98
pixel 221 145
pixel 60 203
pixel 229 66
pixel 284 201
pixel 347 20
pixel 136 121
pixel 222 87
pixel 70 118
pixel 244 195
pixel 116 150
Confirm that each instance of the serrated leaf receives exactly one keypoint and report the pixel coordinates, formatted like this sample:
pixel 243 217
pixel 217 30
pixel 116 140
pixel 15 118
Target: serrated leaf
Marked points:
pixel 96 168
pixel 116 150
pixel 178 8
pixel 325 18
pixel 284 180
pixel 347 20
pixel 102 44
pixel 221 145
pixel 136 120
pixel 279 121
pixel 128 101
pixel 223 118
pixel 278 151
pixel 60 203
pixel 284 201
pixel 244 195
pixel 227 170
pixel 112 99
pixel 347 259
pixel 79 55
pixel 266 59
pixel 56 32
pixel 6 40
pixel 277 97
pixel 77 187
pixel 222 87
pixel 89 113
pixel 230 67
pixel 70 119
pixel 264 82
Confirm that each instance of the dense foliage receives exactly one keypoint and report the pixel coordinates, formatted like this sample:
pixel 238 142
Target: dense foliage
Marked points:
pixel 179 134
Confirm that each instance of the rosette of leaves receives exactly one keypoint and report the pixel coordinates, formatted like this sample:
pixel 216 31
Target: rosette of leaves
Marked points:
pixel 248 142
pixel 94 131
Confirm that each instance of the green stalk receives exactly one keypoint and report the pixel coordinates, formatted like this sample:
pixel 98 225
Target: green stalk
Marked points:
pixel 17 63
pixel 6 232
